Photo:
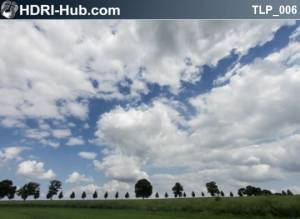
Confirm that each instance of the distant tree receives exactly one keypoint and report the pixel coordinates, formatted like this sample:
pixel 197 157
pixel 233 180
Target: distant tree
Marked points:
pixel 193 194
pixel 127 195
pixel 29 189
pixel 7 189
pixel 184 195
pixel 241 192
pixel 36 195
pixel 177 190
pixel 143 188
pixel 202 194
pixel 166 195
pixel 289 192
pixel 54 187
pixel 222 193
pixel 117 195
pixel 156 195
pixel 95 195
pixel 266 192
pixel 212 188
pixel 283 192
pixel 105 195
pixel 231 194
pixel 61 195
pixel 252 191
pixel 83 195
pixel 72 196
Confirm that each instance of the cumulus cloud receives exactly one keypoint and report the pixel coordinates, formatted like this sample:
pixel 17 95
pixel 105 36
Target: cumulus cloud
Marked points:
pixel 34 169
pixel 120 167
pixel 76 177
pixel 87 155
pixel 61 133
pixel 75 141
pixel 54 79
pixel 11 153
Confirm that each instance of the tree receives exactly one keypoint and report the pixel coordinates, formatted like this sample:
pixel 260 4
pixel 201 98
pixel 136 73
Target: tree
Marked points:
pixel 231 194
pixel 202 194
pixel 54 187
pixel 251 190
pixel 117 195
pixel 177 190
pixel 266 192
pixel 143 188
pixel 61 195
pixel 222 193
pixel 83 195
pixel 7 189
pixel 127 195
pixel 166 195
pixel 193 194
pixel 289 192
pixel 241 192
pixel 29 189
pixel 105 195
pixel 283 192
pixel 184 195
pixel 36 195
pixel 212 188
pixel 95 195
pixel 156 195
pixel 72 196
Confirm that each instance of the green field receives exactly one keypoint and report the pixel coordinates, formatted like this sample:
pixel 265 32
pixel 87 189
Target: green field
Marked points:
pixel 239 207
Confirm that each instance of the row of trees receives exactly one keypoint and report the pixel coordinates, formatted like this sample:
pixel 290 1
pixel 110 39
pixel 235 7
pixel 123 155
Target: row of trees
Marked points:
pixel 143 189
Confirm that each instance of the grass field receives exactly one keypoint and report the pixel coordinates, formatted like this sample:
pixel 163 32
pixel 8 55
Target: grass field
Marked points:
pixel 79 213
pixel 238 207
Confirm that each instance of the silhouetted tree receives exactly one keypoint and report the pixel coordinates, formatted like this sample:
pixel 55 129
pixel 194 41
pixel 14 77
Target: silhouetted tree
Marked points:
pixel 61 195
pixel 177 190
pixel 193 194
pixel 166 195
pixel 83 195
pixel 156 195
pixel 7 189
pixel 231 194
pixel 202 193
pixel 29 189
pixel 212 188
pixel 95 195
pixel 54 187
pixel 117 195
pixel 241 192
pixel 184 195
pixel 127 195
pixel 222 193
pixel 265 192
pixel 143 188
pixel 283 192
pixel 36 194
pixel 289 192
pixel 106 195
pixel 72 196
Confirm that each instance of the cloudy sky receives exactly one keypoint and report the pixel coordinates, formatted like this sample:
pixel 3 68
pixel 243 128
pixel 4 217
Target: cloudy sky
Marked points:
pixel 100 104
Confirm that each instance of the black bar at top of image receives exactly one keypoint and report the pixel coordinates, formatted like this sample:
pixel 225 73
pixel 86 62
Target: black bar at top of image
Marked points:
pixel 175 9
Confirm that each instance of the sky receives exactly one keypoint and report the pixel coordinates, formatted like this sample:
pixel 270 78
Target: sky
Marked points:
pixel 101 104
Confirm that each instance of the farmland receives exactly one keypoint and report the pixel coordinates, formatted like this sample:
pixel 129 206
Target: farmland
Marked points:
pixel 237 207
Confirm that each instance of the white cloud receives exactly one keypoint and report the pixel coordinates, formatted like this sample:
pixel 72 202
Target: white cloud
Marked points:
pixel 53 80
pixel 75 141
pixel 120 167
pixel 61 133
pixel 87 155
pixel 11 153
pixel 34 169
pixel 76 177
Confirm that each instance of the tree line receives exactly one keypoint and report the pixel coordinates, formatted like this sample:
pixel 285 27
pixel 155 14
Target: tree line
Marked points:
pixel 143 189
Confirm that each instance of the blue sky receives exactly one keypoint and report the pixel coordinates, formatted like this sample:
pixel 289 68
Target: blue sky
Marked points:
pixel 99 105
